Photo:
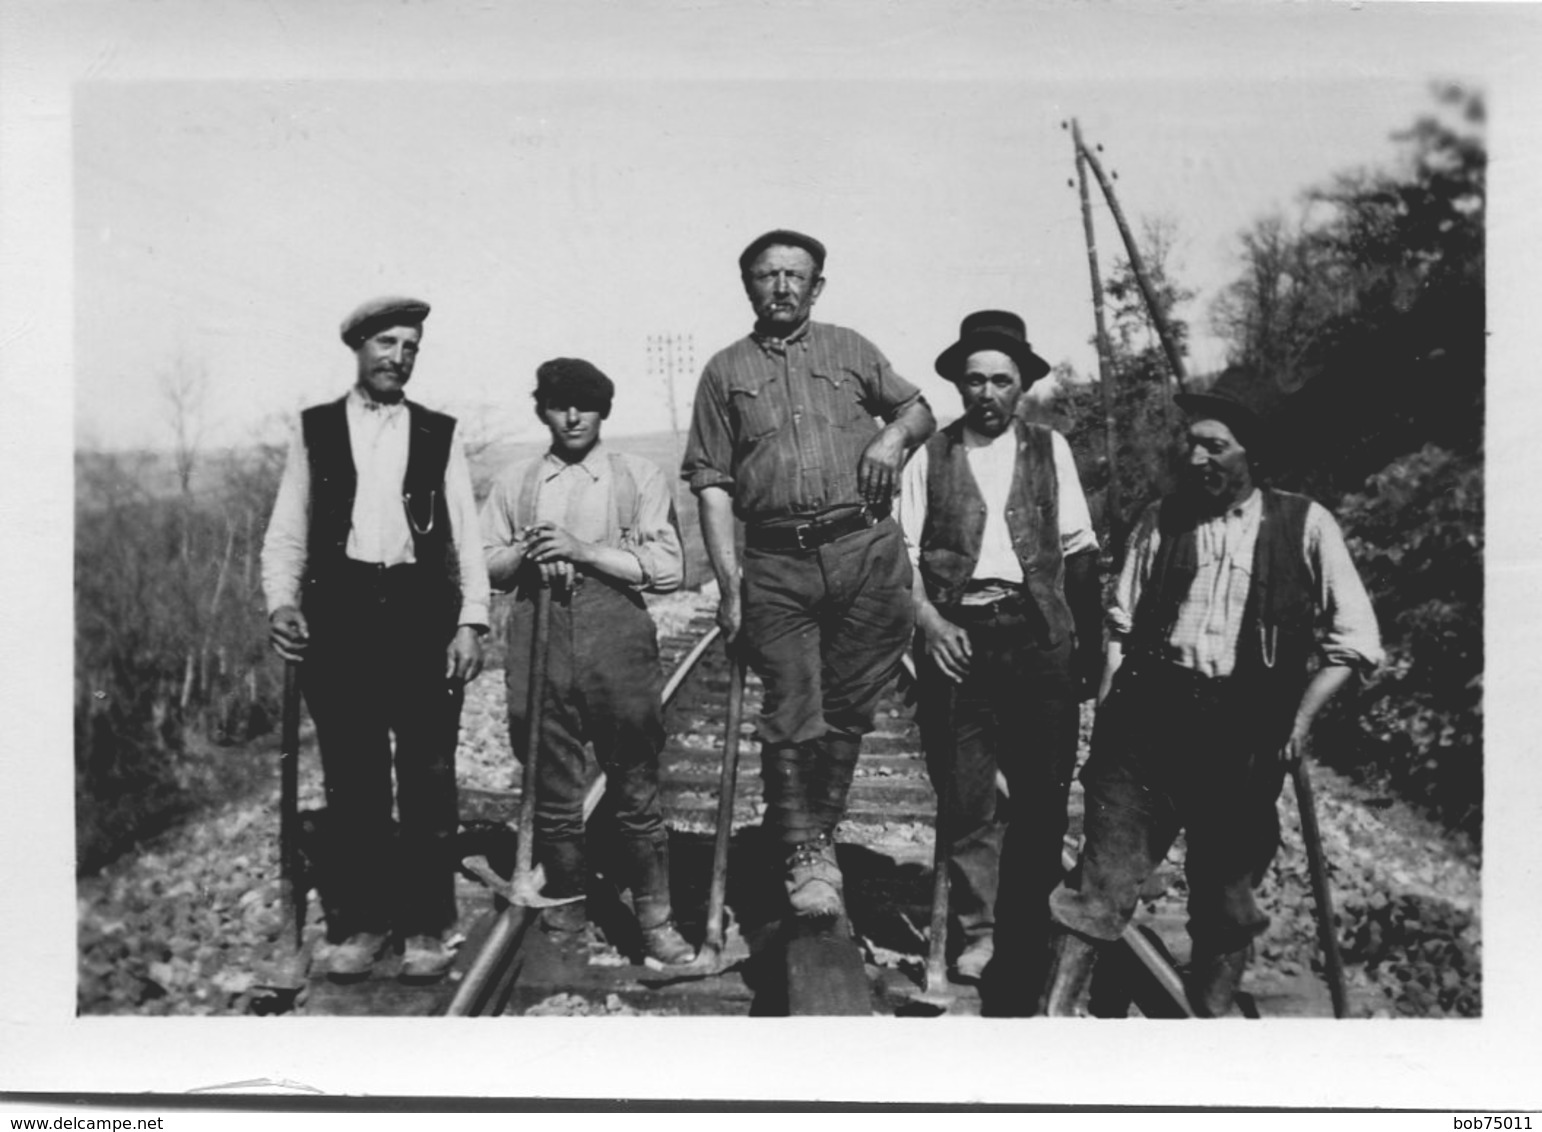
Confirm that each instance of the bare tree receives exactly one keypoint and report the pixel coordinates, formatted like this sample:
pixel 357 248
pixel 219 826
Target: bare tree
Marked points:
pixel 185 388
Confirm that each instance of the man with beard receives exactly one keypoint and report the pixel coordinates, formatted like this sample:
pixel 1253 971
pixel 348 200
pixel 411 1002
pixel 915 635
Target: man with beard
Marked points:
pixel 1008 613
pixel 783 437
pixel 372 569
pixel 597 527
pixel 1228 594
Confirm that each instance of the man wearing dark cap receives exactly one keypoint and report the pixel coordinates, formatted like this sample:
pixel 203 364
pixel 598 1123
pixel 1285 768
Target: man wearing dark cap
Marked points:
pixel 1228 595
pixel 599 528
pixel 1008 613
pixel 375 584
pixel 784 438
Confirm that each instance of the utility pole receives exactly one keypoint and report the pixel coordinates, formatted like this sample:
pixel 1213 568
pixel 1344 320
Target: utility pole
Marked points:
pixel 1158 314
pixel 669 355
pixel 1106 375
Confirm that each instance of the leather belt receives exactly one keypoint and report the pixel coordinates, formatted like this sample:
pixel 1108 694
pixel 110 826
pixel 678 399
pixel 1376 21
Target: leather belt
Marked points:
pixel 806 536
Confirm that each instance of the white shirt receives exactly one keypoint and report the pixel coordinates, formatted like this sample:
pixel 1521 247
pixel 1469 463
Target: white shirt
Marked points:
pixel 378 439
pixel 993 462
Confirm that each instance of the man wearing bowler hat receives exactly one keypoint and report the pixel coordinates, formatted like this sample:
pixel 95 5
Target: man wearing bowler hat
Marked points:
pixel 598 527
pixel 1229 595
pixel 1008 619
pixel 783 437
pixel 373 573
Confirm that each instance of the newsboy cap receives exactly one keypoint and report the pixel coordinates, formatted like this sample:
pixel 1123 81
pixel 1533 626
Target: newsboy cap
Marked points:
pixel 992 330
pixel 378 314
pixel 573 383
pixel 781 237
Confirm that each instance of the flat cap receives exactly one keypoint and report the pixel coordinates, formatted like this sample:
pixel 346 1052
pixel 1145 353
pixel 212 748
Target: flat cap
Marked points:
pixel 377 314
pixel 574 383
pixel 784 237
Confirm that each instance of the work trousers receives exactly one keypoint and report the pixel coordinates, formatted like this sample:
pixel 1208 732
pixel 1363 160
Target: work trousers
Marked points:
pixel 1015 711
pixel 825 629
pixel 374 669
pixel 602 688
pixel 1172 750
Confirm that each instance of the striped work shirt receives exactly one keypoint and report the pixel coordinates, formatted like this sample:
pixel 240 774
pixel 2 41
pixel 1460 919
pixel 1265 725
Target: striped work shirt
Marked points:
pixel 781 423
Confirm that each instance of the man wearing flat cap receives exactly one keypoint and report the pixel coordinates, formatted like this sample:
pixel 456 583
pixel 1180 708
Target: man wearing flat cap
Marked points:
pixel 1237 616
pixel 1008 619
pixel 374 580
pixel 598 527
pixel 784 439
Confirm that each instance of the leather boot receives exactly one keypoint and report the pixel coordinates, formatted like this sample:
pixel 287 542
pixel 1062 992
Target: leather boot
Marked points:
pixel 1213 979
pixel 1070 969
pixel 646 873
pixel 564 864
pixel 833 765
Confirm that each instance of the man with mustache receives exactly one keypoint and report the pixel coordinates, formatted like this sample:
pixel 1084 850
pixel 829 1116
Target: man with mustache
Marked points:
pixel 1230 592
pixel 1008 618
pixel 373 574
pixel 599 528
pixel 783 437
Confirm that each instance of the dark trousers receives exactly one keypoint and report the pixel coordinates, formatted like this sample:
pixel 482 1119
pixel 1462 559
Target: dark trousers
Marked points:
pixel 825 629
pixel 602 687
pixel 1016 711
pixel 1174 751
pixel 376 669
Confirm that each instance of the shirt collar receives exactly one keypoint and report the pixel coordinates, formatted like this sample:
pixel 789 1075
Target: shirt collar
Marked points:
pixel 556 465
pixel 775 344
pixel 364 404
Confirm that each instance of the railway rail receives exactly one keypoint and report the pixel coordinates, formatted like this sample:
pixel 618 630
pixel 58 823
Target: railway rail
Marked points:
pixel 874 961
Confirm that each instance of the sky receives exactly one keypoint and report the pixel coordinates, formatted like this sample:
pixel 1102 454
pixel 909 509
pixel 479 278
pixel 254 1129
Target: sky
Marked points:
pixel 213 185
pixel 224 225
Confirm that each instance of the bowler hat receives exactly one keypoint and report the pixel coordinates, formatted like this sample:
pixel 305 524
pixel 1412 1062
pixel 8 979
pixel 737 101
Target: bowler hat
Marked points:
pixel 1243 399
pixel 781 237
pixel 992 330
pixel 378 314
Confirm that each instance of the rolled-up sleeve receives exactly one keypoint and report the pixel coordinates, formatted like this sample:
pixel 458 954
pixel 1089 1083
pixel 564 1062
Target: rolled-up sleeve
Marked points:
pixel 1076 533
pixel 885 393
pixel 502 552
pixel 1350 634
pixel 708 458
pixel 912 504
pixel 284 546
pixel 656 538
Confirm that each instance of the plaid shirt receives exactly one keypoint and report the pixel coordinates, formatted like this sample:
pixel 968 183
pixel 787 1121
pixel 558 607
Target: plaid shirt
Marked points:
pixel 782 423
pixel 1210 617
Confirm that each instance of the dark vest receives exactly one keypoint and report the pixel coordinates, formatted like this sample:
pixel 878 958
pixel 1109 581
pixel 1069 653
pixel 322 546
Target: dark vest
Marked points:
pixel 334 483
pixel 955 523
pixel 1278 621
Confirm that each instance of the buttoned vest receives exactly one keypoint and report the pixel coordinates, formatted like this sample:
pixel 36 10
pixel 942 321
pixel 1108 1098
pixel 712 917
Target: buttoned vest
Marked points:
pixel 1278 620
pixel 955 523
pixel 334 483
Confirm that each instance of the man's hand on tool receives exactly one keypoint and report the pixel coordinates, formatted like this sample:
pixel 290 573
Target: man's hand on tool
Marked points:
pixel 288 632
pixel 463 660
pixel 730 615
pixel 556 552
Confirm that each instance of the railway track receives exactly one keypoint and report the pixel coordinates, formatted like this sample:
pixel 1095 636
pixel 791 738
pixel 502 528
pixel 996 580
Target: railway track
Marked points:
pixel 873 964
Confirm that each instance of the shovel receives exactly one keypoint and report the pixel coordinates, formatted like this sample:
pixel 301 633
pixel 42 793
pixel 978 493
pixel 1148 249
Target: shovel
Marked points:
pixel 709 960
pixel 1321 893
pixel 935 989
pixel 523 892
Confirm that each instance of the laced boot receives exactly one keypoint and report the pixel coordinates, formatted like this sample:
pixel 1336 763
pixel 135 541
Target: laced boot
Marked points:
pixel 1070 969
pixel 814 884
pixel 1213 979
pixel 647 868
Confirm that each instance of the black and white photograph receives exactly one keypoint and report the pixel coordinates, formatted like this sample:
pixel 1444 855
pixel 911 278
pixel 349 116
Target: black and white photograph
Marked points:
pixel 722 540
